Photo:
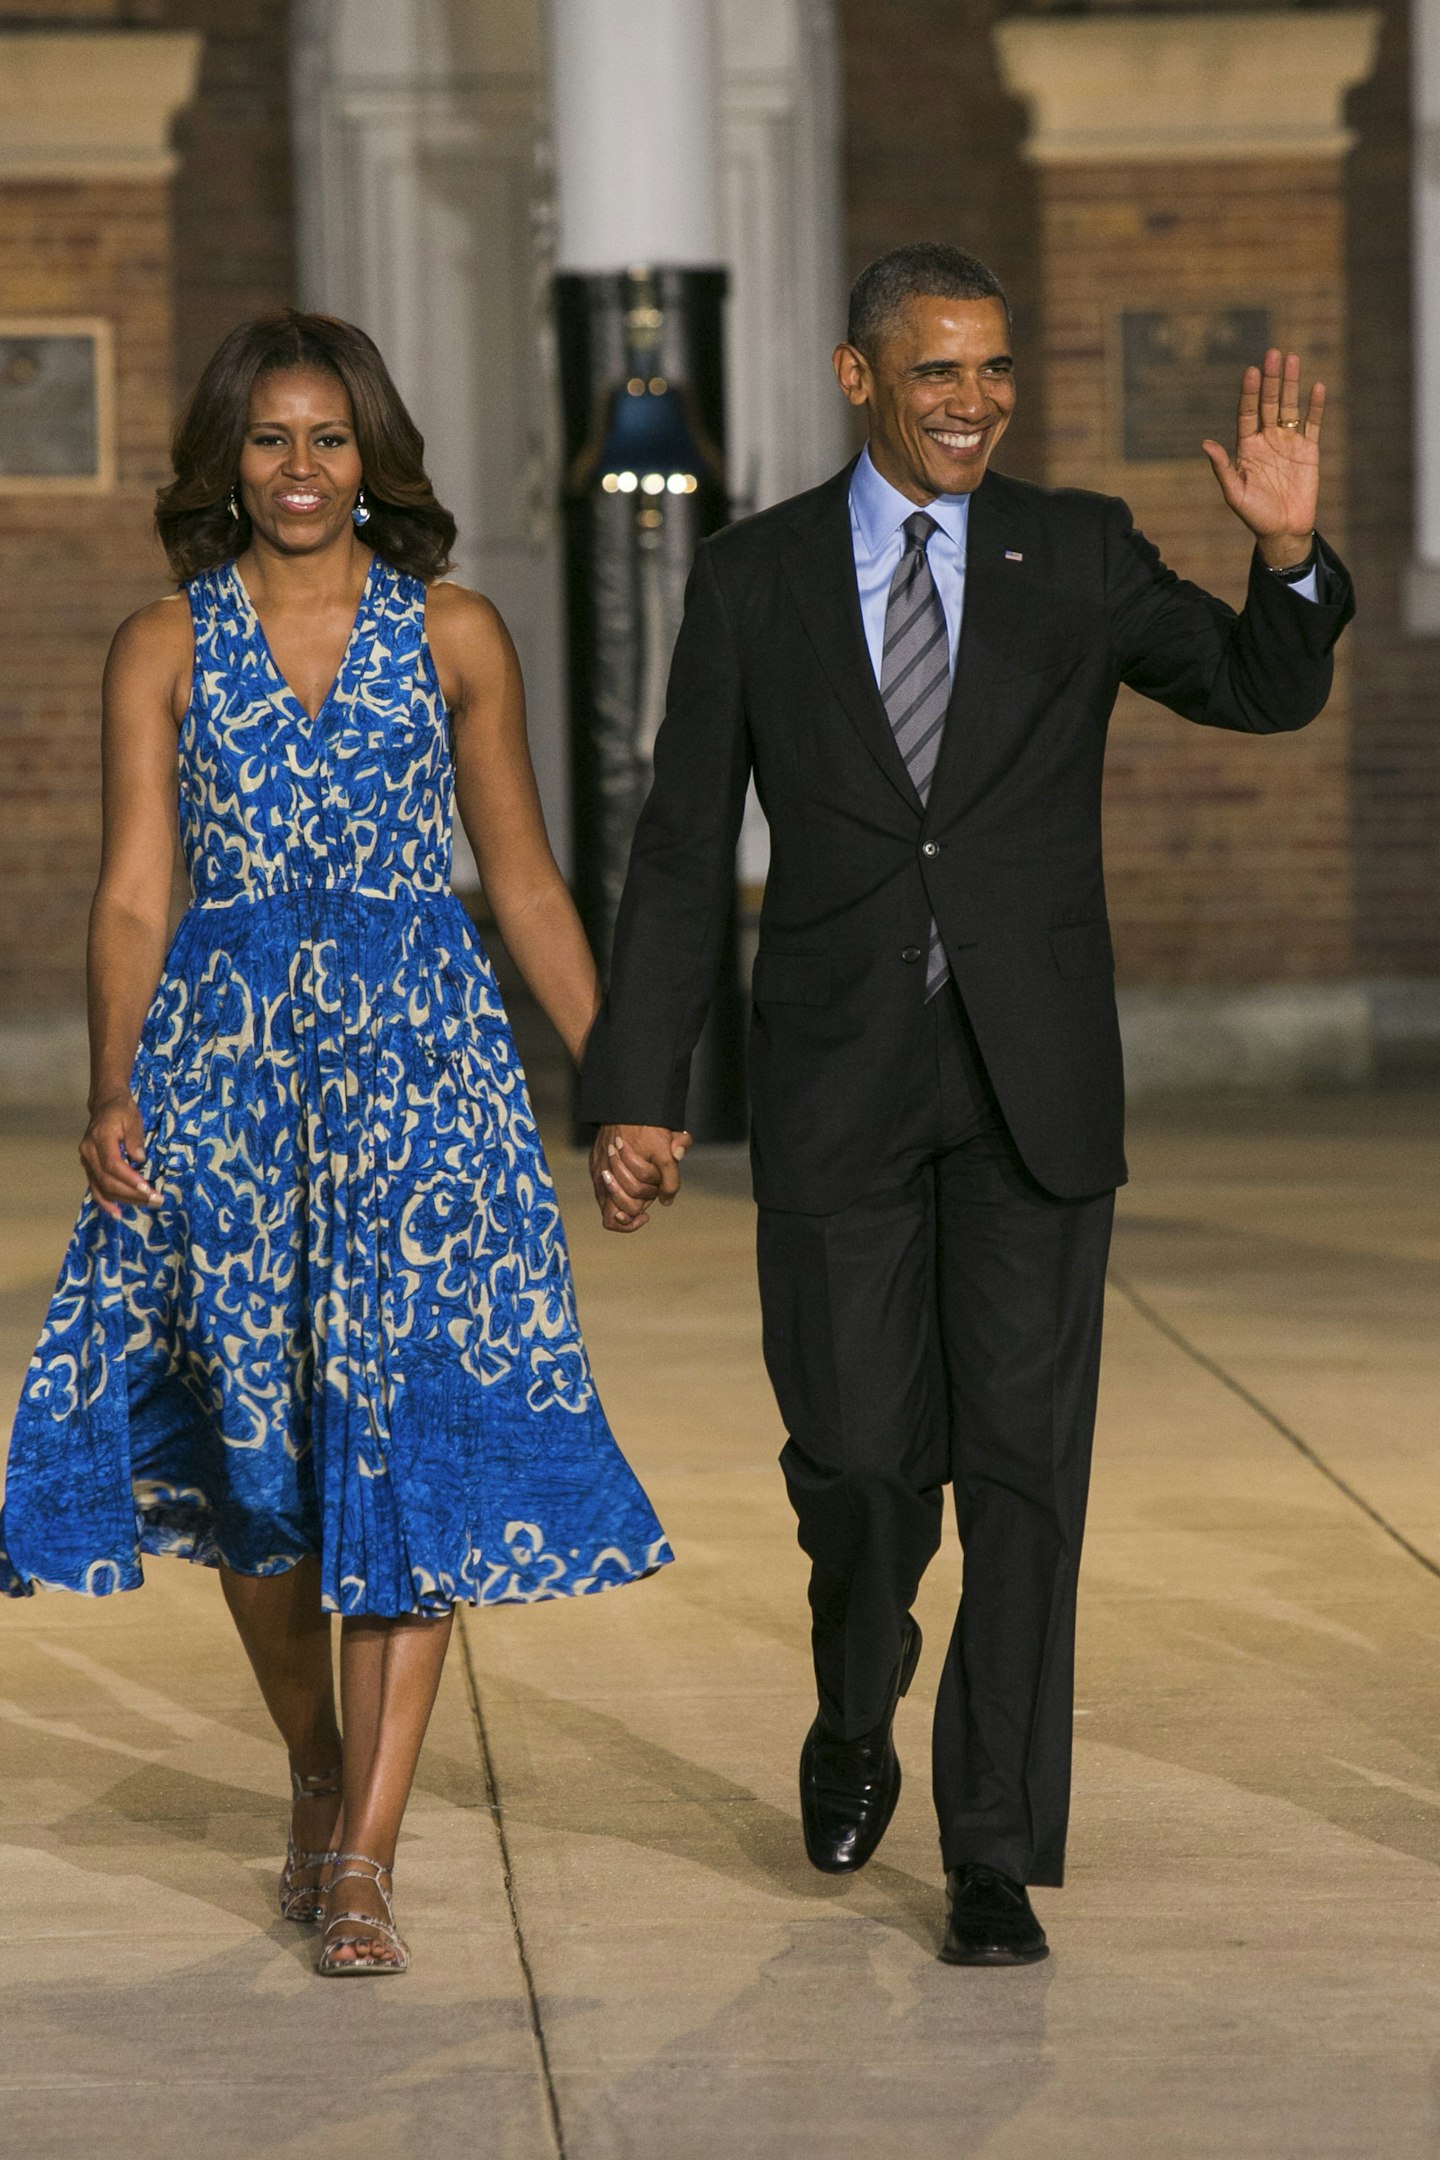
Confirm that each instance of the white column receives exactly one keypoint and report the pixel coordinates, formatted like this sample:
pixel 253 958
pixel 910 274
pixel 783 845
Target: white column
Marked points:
pixel 424 207
pixel 781 228
pixel 780 209
pixel 1423 594
pixel 422 213
pixel 633 100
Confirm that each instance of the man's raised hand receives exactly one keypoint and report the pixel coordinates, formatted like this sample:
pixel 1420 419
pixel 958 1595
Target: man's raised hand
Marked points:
pixel 633 1166
pixel 1273 482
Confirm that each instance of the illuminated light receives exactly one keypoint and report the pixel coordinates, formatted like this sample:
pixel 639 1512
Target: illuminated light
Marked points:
pixel 610 482
pixel 636 386
pixel 651 518
pixel 680 483
pixel 653 483
pixel 658 386
pixel 691 483
pixel 626 482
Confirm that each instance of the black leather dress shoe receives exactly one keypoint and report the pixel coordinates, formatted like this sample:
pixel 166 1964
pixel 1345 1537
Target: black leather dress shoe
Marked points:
pixel 848 1788
pixel 991 1920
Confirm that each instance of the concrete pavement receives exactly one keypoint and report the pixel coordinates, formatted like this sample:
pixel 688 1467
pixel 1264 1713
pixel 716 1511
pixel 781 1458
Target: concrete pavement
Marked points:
pixel 619 1949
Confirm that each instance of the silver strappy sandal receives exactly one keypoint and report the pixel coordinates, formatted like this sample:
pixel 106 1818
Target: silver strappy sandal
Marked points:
pixel 390 1954
pixel 305 1902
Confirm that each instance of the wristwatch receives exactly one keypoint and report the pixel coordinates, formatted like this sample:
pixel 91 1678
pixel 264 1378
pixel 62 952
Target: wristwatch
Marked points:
pixel 1294 572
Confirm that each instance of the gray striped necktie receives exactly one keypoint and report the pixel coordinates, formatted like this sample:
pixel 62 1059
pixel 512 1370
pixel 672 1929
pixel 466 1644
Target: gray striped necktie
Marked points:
pixel 915 683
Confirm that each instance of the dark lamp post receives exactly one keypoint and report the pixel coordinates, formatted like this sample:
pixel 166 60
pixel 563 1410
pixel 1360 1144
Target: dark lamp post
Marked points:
pixel 641 381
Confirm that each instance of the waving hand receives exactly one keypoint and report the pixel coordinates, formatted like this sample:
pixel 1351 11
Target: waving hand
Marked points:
pixel 1273 481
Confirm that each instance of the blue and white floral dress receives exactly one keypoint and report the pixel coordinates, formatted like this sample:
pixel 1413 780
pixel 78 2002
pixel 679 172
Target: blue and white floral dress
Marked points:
pixel 349 1329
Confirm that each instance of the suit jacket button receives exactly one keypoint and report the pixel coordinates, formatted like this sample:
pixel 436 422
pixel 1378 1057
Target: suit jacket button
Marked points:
pixel 929 847
pixel 911 953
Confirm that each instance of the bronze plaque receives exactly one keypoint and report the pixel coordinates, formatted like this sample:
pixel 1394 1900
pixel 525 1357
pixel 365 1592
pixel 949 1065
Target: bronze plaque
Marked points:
pixel 51 406
pixel 1180 377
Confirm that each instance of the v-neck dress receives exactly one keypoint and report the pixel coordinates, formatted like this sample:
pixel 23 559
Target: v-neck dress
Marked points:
pixel 349 1328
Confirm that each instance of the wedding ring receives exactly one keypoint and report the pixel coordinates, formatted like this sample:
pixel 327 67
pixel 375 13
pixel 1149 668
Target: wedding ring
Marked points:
pixel 1290 423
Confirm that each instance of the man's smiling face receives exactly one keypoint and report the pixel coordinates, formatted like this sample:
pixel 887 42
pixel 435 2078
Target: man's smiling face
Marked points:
pixel 939 389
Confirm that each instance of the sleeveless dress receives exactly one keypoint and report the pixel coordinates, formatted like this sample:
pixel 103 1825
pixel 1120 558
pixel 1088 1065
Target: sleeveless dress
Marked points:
pixel 349 1329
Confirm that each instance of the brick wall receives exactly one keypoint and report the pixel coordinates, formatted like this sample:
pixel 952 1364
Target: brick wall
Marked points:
pixel 1228 859
pixel 234 213
pixel 233 209
pixel 71 566
pixel 172 268
pixel 1307 860
pixel 932 152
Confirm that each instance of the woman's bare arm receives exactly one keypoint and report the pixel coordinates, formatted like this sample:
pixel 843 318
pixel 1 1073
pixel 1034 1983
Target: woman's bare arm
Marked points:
pixel 500 808
pixel 146 684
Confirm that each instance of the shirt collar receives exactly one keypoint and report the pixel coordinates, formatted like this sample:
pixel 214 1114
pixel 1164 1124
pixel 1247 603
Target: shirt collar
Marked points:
pixel 880 510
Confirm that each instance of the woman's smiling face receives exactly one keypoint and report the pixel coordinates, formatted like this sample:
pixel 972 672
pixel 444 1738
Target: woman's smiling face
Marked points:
pixel 300 469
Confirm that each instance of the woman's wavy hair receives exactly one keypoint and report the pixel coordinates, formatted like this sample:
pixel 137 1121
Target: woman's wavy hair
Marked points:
pixel 407 526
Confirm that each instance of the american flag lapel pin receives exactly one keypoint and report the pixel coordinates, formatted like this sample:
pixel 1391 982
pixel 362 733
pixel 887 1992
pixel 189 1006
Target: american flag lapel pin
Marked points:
pixel 1013 555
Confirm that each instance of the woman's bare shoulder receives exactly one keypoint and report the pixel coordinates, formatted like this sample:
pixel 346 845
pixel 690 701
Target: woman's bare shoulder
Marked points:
pixel 161 631
pixel 459 611
pixel 468 636
pixel 152 654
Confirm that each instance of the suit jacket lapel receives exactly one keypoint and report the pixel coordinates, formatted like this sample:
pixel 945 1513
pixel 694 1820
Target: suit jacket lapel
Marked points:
pixel 999 614
pixel 819 565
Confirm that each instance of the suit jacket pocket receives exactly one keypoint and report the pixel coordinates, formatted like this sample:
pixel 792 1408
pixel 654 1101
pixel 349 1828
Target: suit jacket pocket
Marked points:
pixel 790 978
pixel 1052 657
pixel 1083 949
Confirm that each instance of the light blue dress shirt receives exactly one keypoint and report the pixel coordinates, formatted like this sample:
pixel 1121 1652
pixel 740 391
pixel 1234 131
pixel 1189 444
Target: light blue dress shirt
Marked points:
pixel 877 514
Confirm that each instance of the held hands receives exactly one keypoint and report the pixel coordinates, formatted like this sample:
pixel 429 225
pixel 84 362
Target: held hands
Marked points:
pixel 1273 482
pixel 113 1152
pixel 633 1166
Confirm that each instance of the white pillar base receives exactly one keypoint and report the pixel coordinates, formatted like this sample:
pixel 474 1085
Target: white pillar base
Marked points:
pixel 1422 599
pixel 45 1072
pixel 1270 1038
pixel 1279 1038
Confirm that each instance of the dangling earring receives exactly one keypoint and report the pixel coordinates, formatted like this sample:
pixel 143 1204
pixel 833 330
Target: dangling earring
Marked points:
pixel 233 506
pixel 361 511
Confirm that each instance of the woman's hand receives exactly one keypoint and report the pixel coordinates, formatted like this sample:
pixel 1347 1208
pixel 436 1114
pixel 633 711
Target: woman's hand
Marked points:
pixel 113 1152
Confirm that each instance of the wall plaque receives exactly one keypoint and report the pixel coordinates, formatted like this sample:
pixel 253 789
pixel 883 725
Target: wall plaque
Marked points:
pixel 57 405
pixel 1180 377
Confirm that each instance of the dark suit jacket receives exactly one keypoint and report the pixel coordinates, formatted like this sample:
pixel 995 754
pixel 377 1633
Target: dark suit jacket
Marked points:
pixel 1064 601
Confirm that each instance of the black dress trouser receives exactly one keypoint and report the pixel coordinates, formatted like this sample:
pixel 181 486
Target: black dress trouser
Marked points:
pixel 946 1328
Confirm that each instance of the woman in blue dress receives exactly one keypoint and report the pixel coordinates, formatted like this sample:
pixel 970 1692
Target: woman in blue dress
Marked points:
pixel 316 1325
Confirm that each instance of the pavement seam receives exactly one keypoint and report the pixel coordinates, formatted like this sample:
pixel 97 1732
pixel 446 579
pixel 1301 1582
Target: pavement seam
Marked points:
pixel 492 1801
pixel 1301 1446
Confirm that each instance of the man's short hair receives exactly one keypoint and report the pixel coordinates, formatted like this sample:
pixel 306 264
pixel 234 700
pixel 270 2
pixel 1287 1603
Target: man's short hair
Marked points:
pixel 926 270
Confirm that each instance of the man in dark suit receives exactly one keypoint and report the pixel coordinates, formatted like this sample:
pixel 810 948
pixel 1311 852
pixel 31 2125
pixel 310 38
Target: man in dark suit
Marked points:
pixel 918 662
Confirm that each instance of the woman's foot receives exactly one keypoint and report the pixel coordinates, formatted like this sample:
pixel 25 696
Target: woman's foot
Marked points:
pixel 314 1816
pixel 360 1931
